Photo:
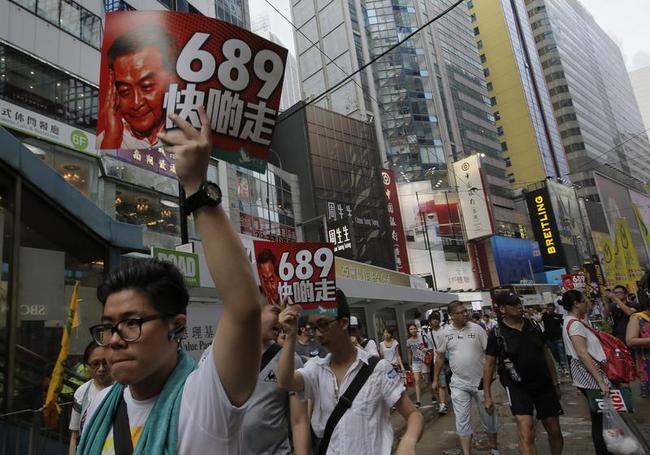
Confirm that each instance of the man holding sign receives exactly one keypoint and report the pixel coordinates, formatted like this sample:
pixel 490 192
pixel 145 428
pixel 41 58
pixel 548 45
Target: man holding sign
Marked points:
pixel 351 391
pixel 163 403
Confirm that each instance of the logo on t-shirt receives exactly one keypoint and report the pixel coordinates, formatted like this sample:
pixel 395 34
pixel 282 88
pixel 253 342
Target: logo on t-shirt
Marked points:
pixel 271 377
pixel 471 335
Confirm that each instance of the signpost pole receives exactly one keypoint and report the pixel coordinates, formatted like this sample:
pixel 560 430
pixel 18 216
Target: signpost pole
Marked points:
pixel 427 242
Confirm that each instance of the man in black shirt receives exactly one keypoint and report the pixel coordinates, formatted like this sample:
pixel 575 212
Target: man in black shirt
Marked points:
pixel 620 309
pixel 553 333
pixel 527 371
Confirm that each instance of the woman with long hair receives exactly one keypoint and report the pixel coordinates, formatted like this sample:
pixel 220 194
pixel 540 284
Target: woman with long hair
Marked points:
pixel 585 355
pixel 417 349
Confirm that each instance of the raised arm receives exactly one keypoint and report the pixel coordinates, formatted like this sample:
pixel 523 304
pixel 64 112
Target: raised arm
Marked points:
pixel 236 344
pixel 288 378
pixel 300 427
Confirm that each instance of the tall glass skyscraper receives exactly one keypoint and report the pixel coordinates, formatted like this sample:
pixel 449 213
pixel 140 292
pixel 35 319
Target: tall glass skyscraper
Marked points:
pixel 233 11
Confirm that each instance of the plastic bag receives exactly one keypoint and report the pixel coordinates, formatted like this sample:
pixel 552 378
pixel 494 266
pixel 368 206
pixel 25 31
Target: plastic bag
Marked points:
pixel 617 435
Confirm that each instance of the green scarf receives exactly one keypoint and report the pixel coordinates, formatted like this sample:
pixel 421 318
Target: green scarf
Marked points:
pixel 160 433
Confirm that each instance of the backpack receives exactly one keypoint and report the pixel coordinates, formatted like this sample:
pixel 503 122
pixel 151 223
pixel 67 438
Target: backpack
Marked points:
pixel 620 364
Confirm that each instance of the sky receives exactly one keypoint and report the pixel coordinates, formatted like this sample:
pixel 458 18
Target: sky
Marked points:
pixel 626 22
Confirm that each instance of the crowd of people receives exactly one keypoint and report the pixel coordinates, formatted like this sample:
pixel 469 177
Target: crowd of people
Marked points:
pixel 276 382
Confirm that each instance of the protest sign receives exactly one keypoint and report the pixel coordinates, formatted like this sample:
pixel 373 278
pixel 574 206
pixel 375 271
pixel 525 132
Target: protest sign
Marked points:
pixel 157 62
pixel 298 273
pixel 575 281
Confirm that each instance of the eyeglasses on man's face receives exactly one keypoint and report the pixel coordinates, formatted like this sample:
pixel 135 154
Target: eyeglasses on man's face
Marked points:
pixel 323 325
pixel 129 329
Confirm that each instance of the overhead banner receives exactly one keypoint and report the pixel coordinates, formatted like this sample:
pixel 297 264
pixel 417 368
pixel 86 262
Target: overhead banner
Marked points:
pixel 395 222
pixel 298 273
pixel 545 227
pixel 473 197
pixel 155 63
pixel 632 265
pixel 20 119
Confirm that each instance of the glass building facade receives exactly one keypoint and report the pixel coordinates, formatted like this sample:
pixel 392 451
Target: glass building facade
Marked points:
pixel 233 11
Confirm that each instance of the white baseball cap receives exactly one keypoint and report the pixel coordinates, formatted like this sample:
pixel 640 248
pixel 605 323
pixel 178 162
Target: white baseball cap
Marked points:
pixel 354 322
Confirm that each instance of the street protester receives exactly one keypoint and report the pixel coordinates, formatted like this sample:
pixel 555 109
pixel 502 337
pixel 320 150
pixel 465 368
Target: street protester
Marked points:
pixel 95 360
pixel 619 308
pixel 436 336
pixel 272 413
pixel 585 354
pixel 162 403
pixel 466 342
pixel 389 350
pixel 306 344
pixel 352 391
pixel 417 352
pixel 516 347
pixel 552 321
pixel 367 344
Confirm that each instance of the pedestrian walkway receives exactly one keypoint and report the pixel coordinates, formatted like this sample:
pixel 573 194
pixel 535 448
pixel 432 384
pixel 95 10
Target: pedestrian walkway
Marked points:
pixel 440 432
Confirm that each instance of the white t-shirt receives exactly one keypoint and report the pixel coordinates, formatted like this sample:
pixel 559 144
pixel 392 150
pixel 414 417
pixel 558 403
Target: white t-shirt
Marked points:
pixel 208 422
pixel 466 349
pixel 438 338
pixel 366 427
pixel 83 397
pixel 594 348
pixel 390 353
pixel 371 348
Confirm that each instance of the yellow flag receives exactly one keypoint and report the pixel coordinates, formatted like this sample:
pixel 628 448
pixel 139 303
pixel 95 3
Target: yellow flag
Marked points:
pixel 605 248
pixel 633 268
pixel 621 276
pixel 642 226
pixel 51 409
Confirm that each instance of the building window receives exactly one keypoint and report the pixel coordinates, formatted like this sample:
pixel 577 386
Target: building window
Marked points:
pixel 493 101
pixel 508 161
pixel 483 58
pixel 511 178
pixel 497 115
pixel 504 146
pixel 489 86
pixel 472 18
pixel 69 16
pixel 500 130
pixel 486 72
pixel 476 31
pixel 479 44
pixel 117 5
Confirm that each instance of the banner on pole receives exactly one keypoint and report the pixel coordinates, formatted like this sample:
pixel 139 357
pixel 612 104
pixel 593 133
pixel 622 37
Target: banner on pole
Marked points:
pixel 298 273
pixel 155 63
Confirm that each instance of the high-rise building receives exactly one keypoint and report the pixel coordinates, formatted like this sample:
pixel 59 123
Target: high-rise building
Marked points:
pixel 640 79
pixel 233 11
pixel 527 129
pixel 597 114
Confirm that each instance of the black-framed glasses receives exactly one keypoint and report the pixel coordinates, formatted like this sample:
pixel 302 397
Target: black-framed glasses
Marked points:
pixel 129 329
pixel 322 325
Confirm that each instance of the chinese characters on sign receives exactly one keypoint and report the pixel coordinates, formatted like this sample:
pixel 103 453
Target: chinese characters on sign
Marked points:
pixel 337 211
pixel 156 160
pixel 195 61
pixel 395 221
pixel 473 198
pixel 298 273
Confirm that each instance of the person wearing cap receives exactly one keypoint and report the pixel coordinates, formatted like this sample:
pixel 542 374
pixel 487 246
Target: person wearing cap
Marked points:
pixel 365 426
pixel 517 346
pixel 465 343
pixel 367 344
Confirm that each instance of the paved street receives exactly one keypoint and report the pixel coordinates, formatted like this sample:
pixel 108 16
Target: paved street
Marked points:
pixel 440 437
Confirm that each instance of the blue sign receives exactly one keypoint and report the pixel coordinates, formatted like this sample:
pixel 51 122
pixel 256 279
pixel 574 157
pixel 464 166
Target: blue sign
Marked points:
pixel 516 259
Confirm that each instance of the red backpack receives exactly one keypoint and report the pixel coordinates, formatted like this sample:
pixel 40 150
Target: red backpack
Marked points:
pixel 620 365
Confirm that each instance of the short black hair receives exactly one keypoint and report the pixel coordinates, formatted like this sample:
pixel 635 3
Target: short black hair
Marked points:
pixel 434 315
pixel 620 286
pixel 343 309
pixel 145 36
pixel 303 321
pixel 453 305
pixel 266 255
pixel 160 281
pixel 570 299
pixel 90 347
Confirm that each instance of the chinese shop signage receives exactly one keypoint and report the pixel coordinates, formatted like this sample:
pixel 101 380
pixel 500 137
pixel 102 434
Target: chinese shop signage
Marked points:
pixel 395 221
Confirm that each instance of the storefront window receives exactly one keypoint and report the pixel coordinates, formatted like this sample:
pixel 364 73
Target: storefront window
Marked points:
pixel 137 206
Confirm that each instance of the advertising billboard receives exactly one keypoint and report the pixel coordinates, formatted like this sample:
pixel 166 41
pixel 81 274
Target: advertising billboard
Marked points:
pixel 545 227
pixel 395 221
pixel 516 259
pixel 473 198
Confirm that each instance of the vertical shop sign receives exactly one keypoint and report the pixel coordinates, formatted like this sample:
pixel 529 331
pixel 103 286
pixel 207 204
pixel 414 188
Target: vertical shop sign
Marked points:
pixel 473 198
pixel 395 225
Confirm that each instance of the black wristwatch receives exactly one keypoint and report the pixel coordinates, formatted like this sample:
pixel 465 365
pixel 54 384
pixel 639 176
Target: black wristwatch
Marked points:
pixel 209 194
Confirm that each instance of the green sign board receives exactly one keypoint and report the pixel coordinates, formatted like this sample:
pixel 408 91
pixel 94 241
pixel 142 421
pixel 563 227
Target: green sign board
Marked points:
pixel 188 263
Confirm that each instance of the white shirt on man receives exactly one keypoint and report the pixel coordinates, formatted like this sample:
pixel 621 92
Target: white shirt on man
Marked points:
pixel 83 397
pixel 208 422
pixel 466 347
pixel 366 427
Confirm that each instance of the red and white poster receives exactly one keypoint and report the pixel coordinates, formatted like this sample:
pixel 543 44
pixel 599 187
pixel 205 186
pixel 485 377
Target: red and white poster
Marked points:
pixel 577 281
pixel 155 63
pixel 298 273
pixel 395 221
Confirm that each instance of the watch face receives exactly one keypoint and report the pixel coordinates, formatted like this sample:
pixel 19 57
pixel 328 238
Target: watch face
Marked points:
pixel 213 191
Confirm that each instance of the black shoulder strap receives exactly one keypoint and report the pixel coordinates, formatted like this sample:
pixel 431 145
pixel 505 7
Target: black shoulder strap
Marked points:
pixel 269 354
pixel 345 402
pixel 121 430
pixel 365 342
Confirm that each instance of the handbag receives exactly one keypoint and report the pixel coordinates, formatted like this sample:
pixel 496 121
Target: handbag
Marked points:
pixel 428 358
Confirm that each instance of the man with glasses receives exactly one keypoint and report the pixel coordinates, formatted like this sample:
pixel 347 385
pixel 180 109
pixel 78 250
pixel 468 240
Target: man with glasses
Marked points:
pixel 618 306
pixel 163 402
pixel 466 342
pixel 365 426
pixel 306 345
pixel 100 378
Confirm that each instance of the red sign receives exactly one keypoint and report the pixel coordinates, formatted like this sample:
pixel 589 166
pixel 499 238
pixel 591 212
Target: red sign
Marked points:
pixel 298 273
pixel 395 221
pixel 155 63
pixel 575 281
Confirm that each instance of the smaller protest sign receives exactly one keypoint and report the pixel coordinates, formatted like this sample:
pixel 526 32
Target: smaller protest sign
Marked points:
pixel 572 281
pixel 620 398
pixel 298 273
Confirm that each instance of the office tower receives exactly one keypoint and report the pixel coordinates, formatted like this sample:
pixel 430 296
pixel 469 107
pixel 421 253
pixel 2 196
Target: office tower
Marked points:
pixel 640 79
